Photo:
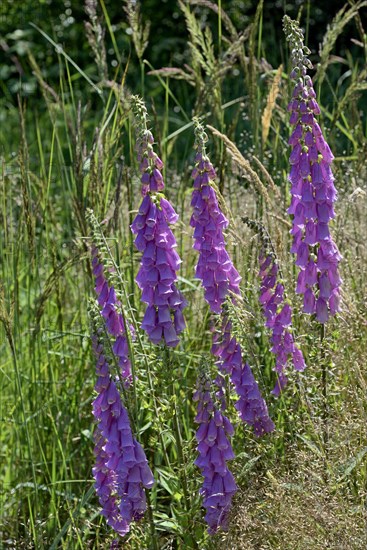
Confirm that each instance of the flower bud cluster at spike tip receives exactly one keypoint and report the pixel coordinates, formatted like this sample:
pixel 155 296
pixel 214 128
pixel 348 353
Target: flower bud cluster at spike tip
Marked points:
pixel 214 268
pixel 121 470
pixel 278 319
pixel 250 405
pixel 150 165
pixel 157 276
pixel 214 447
pixel 106 297
pixel 313 191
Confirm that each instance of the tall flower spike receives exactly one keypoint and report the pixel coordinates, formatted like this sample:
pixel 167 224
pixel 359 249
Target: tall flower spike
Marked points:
pixel 214 268
pixel 277 312
pixel 251 405
pixel 278 315
pixel 313 191
pixel 121 470
pixel 160 262
pixel 214 447
pixel 219 278
pixel 106 297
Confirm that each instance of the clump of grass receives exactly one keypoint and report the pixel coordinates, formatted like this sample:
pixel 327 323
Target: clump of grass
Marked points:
pixel 296 512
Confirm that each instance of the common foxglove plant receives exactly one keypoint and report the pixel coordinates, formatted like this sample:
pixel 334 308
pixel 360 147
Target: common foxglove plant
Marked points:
pixel 277 312
pixel 121 469
pixel 219 278
pixel 313 191
pixel 214 268
pixel 278 315
pixel 106 297
pixel 251 405
pixel 157 276
pixel 215 450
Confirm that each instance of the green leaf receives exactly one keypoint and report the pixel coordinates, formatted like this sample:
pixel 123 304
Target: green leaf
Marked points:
pixel 353 462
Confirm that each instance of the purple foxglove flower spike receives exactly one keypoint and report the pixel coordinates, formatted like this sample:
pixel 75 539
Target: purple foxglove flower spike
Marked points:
pixel 157 276
pixel 121 470
pixel 219 278
pixel 214 268
pixel 214 448
pixel 106 297
pixel 251 406
pixel 278 320
pixel 313 191
pixel 277 313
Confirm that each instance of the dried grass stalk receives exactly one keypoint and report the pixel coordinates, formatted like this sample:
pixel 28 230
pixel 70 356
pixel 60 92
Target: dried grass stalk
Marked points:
pixel 242 163
pixel 270 104
pixel 267 177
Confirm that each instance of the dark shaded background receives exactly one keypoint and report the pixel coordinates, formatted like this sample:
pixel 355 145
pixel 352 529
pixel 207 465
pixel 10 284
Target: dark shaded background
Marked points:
pixel 64 22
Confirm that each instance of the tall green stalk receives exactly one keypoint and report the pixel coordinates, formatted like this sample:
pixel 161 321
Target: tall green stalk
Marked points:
pixel 325 405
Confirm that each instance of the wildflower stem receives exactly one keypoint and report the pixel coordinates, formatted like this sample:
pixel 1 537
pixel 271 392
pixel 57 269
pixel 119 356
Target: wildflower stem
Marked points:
pixel 181 457
pixel 131 241
pixel 151 521
pixel 325 412
pixel 123 315
pixel 142 77
pixel 178 437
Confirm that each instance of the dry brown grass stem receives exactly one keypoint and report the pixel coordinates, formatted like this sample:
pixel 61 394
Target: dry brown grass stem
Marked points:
pixel 46 89
pixel 280 219
pixel 267 177
pixel 242 163
pixel 232 230
pixel 270 104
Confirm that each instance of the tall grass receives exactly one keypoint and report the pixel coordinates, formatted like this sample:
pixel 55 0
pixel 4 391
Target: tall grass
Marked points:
pixel 75 150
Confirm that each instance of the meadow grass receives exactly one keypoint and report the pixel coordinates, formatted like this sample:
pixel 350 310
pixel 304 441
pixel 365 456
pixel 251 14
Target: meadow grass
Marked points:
pixel 303 486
